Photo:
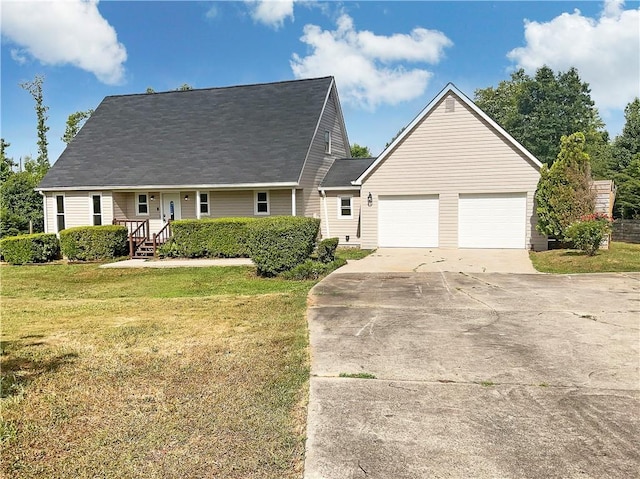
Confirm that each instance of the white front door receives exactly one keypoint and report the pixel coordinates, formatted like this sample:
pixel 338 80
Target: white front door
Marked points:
pixel 170 207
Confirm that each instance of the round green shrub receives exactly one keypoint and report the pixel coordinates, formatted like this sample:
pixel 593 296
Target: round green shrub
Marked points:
pixel 279 243
pixel 588 233
pixel 327 250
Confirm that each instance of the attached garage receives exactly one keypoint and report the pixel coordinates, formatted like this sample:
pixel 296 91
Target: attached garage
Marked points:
pixel 483 179
pixel 409 221
pixel 492 220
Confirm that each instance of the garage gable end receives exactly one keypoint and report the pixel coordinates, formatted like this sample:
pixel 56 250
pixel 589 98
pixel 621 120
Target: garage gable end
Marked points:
pixel 447 101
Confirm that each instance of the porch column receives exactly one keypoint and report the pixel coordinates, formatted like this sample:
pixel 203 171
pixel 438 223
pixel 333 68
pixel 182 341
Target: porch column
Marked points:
pixel 293 201
pixel 198 204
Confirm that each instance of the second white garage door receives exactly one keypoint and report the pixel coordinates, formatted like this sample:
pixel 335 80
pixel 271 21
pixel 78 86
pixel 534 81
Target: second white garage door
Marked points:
pixel 492 220
pixel 408 221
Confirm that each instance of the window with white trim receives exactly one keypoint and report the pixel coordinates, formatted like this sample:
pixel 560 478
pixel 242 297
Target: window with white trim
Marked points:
pixel 204 203
pixel 96 209
pixel 142 204
pixel 345 207
pixel 327 142
pixel 262 203
pixel 60 212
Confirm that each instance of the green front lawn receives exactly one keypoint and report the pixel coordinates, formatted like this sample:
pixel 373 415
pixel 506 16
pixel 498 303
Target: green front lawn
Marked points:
pixel 155 373
pixel 619 258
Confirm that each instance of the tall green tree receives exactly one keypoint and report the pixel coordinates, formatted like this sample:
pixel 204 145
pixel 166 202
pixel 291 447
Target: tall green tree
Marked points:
pixel 20 204
pixel 537 111
pixel 74 123
pixel 624 167
pixel 358 151
pixel 564 191
pixel 6 164
pixel 35 89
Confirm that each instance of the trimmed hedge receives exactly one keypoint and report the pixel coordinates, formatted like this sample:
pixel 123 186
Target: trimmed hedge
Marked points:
pixel 208 238
pixel 279 243
pixel 327 250
pixel 87 243
pixel 34 248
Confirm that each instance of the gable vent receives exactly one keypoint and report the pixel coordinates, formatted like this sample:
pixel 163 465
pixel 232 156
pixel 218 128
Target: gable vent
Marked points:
pixel 450 105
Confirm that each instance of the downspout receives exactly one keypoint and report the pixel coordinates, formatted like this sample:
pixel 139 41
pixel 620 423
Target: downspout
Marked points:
pixel 326 213
pixel 44 204
pixel 293 201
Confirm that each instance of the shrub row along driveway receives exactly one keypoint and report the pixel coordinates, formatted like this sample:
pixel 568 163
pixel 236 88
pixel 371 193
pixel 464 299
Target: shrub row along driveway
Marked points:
pixel 477 375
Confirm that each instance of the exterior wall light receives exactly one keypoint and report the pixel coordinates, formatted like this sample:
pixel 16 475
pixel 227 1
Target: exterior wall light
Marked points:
pixel 152 198
pixel 186 197
pixel 369 200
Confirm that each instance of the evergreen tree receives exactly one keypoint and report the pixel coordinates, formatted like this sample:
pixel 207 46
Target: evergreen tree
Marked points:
pixel 564 191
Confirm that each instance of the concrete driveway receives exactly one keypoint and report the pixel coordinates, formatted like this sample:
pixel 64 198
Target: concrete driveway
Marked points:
pixel 476 376
pixel 423 260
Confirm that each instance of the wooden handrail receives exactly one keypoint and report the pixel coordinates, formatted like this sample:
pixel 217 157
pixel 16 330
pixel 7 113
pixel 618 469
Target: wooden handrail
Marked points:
pixel 136 239
pixel 138 232
pixel 161 236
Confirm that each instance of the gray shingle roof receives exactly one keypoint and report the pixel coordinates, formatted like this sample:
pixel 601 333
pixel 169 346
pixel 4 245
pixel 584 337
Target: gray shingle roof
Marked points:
pixel 219 136
pixel 344 171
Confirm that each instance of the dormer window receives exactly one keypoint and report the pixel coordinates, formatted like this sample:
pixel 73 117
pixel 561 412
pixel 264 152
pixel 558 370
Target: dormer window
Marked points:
pixel 327 142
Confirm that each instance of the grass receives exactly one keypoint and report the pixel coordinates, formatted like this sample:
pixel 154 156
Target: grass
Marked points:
pixel 357 375
pixel 352 253
pixel 620 257
pixel 185 373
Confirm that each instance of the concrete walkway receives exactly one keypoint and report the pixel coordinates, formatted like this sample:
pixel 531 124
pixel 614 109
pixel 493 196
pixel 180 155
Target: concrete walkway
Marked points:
pixel 425 260
pixel 179 263
pixel 475 376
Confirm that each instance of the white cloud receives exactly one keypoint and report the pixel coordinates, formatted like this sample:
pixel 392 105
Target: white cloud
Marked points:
pixel 212 12
pixel 368 67
pixel 606 51
pixel 272 13
pixel 19 56
pixel 66 32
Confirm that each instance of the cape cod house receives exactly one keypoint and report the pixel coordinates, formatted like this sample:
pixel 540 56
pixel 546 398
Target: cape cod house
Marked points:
pixel 146 159
pixel 452 178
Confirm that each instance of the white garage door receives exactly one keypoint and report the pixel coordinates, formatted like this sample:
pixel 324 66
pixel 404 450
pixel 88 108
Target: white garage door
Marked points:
pixel 408 221
pixel 492 220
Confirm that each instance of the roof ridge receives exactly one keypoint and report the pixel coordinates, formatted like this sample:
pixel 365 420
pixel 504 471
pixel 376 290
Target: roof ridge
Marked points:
pixel 228 87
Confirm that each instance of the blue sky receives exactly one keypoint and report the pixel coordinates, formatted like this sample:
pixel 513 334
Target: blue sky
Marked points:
pixel 389 58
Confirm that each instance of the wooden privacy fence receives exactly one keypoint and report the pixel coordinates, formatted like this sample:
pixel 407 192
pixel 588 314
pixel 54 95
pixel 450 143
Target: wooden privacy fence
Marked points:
pixel 627 231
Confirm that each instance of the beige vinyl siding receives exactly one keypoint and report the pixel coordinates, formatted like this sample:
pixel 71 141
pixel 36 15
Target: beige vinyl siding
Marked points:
pixel 447 154
pixel 242 203
pixel 120 205
pixel 125 207
pixel 188 207
pixel 77 209
pixel 50 214
pixel 343 227
pixel 318 162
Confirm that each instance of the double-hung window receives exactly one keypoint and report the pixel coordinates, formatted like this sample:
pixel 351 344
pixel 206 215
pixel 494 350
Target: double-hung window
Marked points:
pixel 60 212
pixel 142 204
pixel 345 207
pixel 204 203
pixel 96 209
pixel 262 203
